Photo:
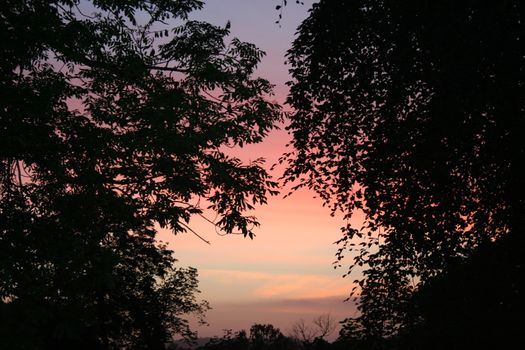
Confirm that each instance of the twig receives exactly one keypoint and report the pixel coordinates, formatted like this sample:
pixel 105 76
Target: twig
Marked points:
pixel 195 233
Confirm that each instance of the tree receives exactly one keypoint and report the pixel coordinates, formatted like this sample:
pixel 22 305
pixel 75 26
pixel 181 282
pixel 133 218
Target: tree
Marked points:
pixel 322 326
pixel 113 121
pixel 325 325
pixel 229 341
pixel 413 113
pixel 302 331
pixel 265 336
pixel 262 336
pixel 477 303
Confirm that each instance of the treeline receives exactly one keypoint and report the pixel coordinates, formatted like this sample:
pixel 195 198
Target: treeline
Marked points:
pixel 264 337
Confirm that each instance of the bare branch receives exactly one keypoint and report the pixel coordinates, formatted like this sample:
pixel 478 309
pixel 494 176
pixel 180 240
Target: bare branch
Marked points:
pixel 325 325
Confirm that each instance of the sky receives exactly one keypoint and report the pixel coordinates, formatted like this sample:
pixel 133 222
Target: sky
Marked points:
pixel 285 273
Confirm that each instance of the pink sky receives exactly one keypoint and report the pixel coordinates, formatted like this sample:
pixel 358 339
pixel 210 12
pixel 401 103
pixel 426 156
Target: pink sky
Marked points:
pixel 286 272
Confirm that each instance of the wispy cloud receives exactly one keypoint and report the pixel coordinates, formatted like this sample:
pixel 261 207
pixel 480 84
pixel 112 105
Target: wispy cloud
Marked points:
pixel 303 286
pixel 261 285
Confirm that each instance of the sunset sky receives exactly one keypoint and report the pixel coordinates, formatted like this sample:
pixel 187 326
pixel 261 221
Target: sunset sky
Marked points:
pixel 286 272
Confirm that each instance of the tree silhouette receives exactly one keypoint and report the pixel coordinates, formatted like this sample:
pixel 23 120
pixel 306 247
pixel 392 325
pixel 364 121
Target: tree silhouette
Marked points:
pixel 412 112
pixel 265 336
pixel 113 122
pixel 229 341
pixel 302 331
pixel 321 327
pixel 477 303
pixel 262 337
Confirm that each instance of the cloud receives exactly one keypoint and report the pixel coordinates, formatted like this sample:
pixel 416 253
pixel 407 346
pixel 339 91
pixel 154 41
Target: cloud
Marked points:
pixel 222 285
pixel 302 286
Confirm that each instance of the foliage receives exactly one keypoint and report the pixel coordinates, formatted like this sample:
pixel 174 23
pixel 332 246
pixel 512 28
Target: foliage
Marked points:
pixel 412 112
pixel 261 337
pixel 281 6
pixel 477 303
pixel 265 336
pixel 113 123
pixel 230 340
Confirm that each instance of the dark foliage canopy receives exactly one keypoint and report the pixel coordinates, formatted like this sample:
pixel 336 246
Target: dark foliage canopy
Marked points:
pixel 261 337
pixel 113 119
pixel 268 337
pixel 476 304
pixel 413 112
